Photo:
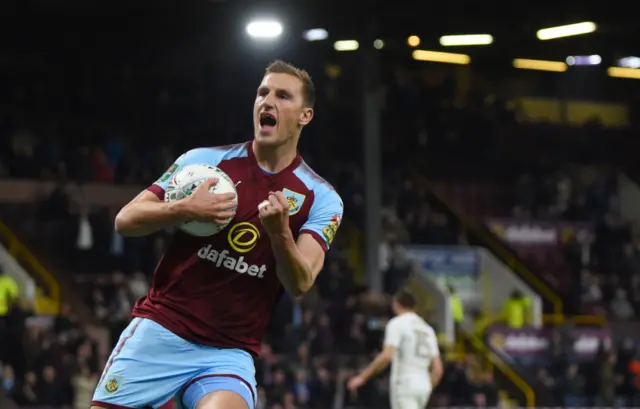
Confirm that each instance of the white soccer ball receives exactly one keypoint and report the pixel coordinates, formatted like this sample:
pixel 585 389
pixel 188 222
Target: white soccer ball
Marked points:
pixel 183 183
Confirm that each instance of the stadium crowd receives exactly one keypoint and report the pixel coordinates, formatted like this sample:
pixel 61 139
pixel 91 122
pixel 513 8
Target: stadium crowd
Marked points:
pixel 315 344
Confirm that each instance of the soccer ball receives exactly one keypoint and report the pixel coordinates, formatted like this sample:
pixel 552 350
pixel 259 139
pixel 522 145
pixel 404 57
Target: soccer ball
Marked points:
pixel 183 183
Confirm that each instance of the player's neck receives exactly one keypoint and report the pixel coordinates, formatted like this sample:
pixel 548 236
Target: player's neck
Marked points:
pixel 274 158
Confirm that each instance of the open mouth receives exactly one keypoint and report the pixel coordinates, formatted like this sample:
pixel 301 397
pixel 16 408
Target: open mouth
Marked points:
pixel 267 121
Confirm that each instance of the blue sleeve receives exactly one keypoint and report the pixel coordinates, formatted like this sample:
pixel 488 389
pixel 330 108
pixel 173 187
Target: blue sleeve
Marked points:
pixel 324 217
pixel 207 156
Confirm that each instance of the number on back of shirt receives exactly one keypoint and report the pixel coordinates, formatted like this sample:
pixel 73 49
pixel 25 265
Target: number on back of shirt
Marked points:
pixel 422 344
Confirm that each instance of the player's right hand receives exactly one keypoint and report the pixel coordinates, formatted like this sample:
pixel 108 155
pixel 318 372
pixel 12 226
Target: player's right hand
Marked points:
pixel 204 206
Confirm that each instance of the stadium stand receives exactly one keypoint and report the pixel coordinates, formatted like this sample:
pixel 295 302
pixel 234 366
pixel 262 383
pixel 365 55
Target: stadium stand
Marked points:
pixel 453 178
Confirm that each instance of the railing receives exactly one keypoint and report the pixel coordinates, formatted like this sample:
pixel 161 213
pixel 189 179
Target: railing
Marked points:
pixel 498 283
pixel 498 363
pixel 559 319
pixel 497 248
pixel 22 254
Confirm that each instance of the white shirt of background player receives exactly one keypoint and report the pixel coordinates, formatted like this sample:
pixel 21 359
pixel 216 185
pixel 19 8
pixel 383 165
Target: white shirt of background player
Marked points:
pixel 411 344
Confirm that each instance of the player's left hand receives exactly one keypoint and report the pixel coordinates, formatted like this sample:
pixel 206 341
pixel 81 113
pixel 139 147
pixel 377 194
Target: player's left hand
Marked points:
pixel 355 383
pixel 274 213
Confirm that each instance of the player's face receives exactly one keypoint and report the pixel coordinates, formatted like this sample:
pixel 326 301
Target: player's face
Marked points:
pixel 279 112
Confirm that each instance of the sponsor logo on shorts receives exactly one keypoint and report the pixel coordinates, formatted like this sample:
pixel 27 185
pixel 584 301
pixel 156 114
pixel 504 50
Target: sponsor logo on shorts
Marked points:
pixel 330 231
pixel 295 200
pixel 112 383
pixel 243 237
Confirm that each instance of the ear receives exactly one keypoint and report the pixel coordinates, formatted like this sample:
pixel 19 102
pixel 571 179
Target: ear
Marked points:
pixel 305 116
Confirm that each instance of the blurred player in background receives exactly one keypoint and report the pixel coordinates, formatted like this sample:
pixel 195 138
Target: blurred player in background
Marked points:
pixel 412 347
pixel 195 334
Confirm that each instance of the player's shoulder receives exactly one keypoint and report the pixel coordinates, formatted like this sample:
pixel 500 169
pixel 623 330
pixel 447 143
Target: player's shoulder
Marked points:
pixel 416 319
pixel 324 193
pixel 213 155
pixel 410 321
pixel 395 322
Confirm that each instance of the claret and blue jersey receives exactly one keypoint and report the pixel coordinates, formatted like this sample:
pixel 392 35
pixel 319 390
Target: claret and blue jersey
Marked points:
pixel 311 199
pixel 212 297
pixel 220 290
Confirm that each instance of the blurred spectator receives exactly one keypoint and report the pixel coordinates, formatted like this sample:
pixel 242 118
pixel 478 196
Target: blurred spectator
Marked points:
pixel 9 383
pixel 574 387
pixel 28 394
pixel 549 382
pixel 634 368
pixel 609 381
pixel 457 308
pixel 8 292
pixel 323 389
pixel 620 306
pixel 84 383
pixel 516 309
pixel 486 390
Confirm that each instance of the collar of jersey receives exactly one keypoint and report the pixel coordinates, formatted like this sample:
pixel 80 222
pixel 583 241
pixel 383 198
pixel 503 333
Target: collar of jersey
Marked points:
pixel 292 166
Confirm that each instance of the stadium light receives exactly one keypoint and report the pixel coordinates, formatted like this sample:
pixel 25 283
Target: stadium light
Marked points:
pixel 620 72
pixel 378 44
pixel 413 41
pixel 566 31
pixel 629 62
pixel 346 45
pixel 316 34
pixel 539 65
pixel 264 29
pixel 466 39
pixel 584 60
pixel 438 56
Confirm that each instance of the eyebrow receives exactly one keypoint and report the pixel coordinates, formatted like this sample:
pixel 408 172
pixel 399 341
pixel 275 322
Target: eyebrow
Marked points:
pixel 266 88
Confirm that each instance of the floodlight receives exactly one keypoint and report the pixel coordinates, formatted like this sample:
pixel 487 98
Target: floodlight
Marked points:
pixel 346 45
pixel 551 33
pixel 621 72
pixel 264 29
pixel 466 39
pixel 413 41
pixel 539 65
pixel 584 59
pixel 629 62
pixel 439 56
pixel 316 34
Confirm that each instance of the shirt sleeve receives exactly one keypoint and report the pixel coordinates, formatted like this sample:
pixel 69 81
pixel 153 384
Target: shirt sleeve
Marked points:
pixel 194 156
pixel 159 186
pixel 392 334
pixel 324 218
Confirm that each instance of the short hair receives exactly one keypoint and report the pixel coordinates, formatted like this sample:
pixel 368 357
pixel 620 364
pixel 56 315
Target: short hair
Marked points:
pixel 308 89
pixel 406 299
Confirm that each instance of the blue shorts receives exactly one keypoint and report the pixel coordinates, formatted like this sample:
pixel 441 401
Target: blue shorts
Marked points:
pixel 150 365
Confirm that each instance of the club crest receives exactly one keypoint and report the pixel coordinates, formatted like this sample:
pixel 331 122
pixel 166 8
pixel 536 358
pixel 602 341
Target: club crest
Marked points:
pixel 295 200
pixel 112 383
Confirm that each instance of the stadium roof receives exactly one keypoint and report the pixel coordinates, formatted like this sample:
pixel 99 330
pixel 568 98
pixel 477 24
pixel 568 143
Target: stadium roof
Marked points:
pixel 220 23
